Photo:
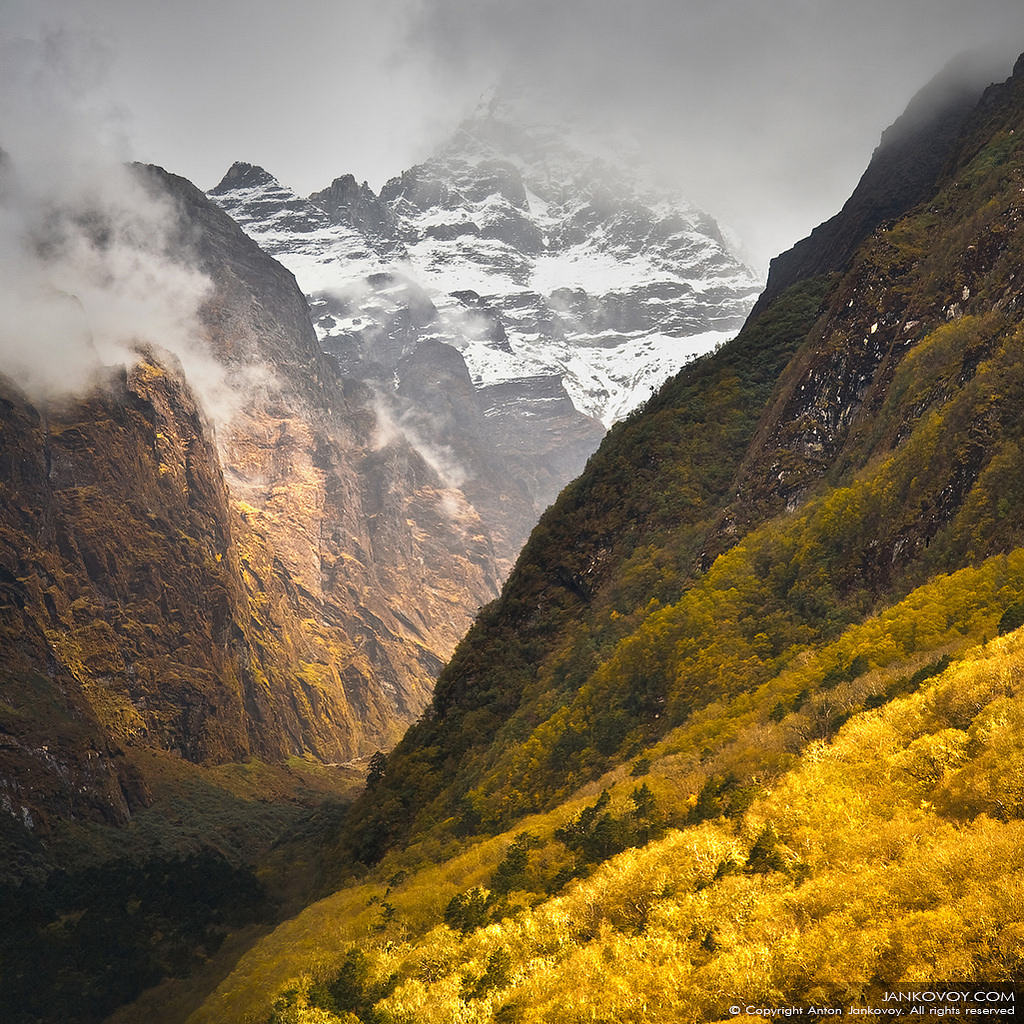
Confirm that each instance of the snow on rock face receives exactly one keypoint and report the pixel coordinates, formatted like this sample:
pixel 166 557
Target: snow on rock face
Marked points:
pixel 320 252
pixel 533 257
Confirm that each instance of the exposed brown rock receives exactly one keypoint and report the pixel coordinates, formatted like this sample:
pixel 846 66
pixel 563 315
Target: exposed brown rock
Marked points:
pixel 289 584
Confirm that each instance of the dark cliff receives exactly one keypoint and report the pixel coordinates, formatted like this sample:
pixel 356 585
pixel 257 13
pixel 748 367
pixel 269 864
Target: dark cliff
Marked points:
pixel 903 171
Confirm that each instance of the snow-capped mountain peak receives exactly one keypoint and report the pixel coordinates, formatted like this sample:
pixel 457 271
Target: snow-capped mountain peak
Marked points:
pixel 581 269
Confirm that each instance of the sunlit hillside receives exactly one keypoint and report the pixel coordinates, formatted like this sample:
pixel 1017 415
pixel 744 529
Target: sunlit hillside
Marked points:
pixel 889 849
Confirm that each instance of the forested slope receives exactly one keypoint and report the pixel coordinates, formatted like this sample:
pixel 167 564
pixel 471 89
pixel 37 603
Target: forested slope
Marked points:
pixel 865 426
pixel 746 721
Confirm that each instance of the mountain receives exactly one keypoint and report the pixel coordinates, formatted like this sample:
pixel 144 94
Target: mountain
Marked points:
pixel 608 280
pixel 903 171
pixel 233 567
pixel 568 290
pixel 529 243
pixel 286 586
pixel 745 725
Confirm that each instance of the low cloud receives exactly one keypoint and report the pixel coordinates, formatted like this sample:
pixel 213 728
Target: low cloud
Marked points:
pixel 394 426
pixel 764 114
pixel 89 273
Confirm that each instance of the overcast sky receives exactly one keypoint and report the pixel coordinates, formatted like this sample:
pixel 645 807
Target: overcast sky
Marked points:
pixel 764 111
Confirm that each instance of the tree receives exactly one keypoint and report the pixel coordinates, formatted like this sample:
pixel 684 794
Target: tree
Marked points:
pixel 765 854
pixel 377 769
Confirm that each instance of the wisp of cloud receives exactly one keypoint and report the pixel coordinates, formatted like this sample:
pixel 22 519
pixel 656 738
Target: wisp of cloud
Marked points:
pixel 89 271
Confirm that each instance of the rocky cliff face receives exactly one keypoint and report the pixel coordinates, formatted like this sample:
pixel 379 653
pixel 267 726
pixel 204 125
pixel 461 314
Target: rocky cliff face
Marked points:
pixel 361 514
pixel 289 583
pixel 948 268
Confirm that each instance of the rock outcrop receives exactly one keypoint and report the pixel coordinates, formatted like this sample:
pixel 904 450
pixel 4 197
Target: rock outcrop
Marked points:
pixel 903 171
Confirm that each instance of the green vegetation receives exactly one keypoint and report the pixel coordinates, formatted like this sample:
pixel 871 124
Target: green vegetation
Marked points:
pixel 107 932
pixel 891 851
pixel 219 852
pixel 621 537
pixel 747 721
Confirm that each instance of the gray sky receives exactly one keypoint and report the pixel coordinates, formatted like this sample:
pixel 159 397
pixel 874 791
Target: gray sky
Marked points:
pixel 764 111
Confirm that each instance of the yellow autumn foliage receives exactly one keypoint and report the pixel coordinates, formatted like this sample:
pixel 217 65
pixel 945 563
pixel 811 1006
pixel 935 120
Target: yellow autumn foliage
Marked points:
pixel 900 858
